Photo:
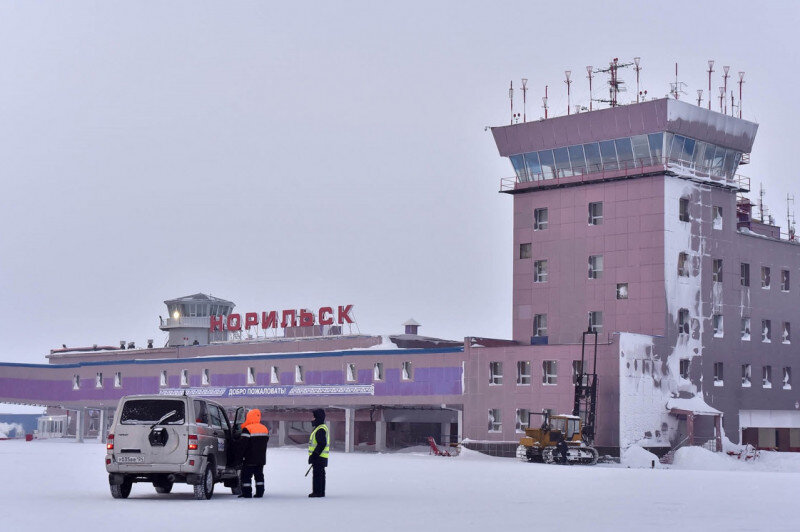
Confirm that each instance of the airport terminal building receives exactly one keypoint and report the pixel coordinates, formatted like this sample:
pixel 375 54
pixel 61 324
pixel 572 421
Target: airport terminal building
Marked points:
pixel 629 221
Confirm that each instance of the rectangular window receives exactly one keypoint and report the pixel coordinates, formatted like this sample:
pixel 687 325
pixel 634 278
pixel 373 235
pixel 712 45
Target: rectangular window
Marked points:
pixel 746 329
pixel 540 325
pixel 716 270
pixel 351 374
pixel 787 378
pixel 549 372
pixel 765 277
pixel 407 371
pixel 718 330
pixel 784 280
pixel 251 375
pixel 540 271
pixel 98 381
pixel 118 379
pixel 274 375
pixel 718 374
pixel 596 213
pixel 683 264
pixel 745 274
pixel 595 266
pixel 766 331
pixel 76 382
pixel 162 380
pixel 525 251
pixel 577 372
pixel 540 219
pixel 786 335
pixel 377 371
pixel 683 321
pixel 746 372
pixel 716 219
pixel 596 321
pixel 495 424
pixel 299 374
pixel 683 209
pixel 523 373
pixel 206 378
pixel 622 290
pixel 495 373
pixel 684 368
pixel 523 419
pixel 766 376
pixel 184 377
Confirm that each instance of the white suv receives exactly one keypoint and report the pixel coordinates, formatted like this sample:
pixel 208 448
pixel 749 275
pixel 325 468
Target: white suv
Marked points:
pixel 167 439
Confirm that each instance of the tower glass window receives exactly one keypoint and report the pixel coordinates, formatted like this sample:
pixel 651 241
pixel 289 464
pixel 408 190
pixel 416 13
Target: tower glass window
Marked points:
pixel 746 329
pixel 540 271
pixel 596 213
pixel 495 421
pixel 523 419
pixel 523 373
pixel 784 280
pixel 525 251
pixel 745 274
pixel 549 372
pixel 595 266
pixel 746 373
pixel 716 270
pixel 596 321
pixel 540 219
pixel 765 277
pixel 683 209
pixel 718 374
pixel 495 373
pixel 540 325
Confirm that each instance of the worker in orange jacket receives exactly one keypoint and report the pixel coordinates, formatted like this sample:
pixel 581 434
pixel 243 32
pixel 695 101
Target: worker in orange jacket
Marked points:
pixel 254 439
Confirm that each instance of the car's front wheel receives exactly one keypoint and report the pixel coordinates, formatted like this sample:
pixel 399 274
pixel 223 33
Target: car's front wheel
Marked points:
pixel 205 489
pixel 121 491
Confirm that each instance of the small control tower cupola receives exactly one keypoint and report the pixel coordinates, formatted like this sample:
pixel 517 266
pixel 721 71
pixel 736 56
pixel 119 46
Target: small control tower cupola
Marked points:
pixel 188 319
pixel 412 327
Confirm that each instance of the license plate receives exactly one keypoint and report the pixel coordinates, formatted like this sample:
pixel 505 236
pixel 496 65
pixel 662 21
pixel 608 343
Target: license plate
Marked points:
pixel 130 459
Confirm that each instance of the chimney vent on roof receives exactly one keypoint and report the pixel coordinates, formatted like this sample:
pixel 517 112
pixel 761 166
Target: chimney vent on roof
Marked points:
pixel 412 327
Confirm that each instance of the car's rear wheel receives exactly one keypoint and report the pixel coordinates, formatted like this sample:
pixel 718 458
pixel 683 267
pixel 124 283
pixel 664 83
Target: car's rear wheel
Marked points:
pixel 205 489
pixel 121 491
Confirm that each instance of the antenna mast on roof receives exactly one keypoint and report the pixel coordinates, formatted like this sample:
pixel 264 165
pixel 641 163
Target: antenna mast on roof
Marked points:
pixel 638 69
pixel 741 80
pixel 615 85
pixel 762 209
pixel 524 99
pixel 789 211
pixel 511 98
pixel 589 71
pixel 721 97
pixel 567 74
pixel 710 70
pixel 677 88
pixel 725 76
pixel 699 97
pixel 544 101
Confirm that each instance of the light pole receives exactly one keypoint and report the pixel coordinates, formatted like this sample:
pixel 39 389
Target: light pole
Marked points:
pixel 637 68
pixel 524 99
pixel 511 99
pixel 567 73
pixel 589 71
pixel 710 70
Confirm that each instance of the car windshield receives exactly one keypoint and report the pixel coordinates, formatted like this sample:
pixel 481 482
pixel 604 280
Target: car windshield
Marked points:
pixel 148 411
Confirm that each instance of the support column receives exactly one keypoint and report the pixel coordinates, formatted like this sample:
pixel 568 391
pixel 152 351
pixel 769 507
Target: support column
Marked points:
pixel 349 429
pixel 460 425
pixel 445 437
pixel 79 418
pixel 101 431
pixel 380 436
pixel 718 432
pixel 281 433
pixel 690 428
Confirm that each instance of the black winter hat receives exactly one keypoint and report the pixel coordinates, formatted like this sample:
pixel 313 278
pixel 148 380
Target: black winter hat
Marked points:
pixel 319 415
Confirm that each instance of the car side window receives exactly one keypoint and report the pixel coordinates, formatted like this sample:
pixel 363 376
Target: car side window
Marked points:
pixel 200 412
pixel 214 414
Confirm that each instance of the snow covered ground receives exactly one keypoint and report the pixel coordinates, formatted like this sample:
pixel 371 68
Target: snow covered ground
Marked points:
pixel 47 485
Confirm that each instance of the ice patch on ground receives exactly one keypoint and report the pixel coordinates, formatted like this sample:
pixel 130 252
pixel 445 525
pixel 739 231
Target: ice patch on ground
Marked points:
pixel 637 457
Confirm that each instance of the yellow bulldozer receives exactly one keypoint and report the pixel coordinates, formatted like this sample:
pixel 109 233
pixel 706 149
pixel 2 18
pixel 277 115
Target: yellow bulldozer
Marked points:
pixel 541 444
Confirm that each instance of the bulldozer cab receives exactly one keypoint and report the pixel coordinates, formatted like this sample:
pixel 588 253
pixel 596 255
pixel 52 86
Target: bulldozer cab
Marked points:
pixel 568 426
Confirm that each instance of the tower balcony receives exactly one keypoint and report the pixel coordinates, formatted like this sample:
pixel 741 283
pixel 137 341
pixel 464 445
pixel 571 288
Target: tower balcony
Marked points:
pixel 194 322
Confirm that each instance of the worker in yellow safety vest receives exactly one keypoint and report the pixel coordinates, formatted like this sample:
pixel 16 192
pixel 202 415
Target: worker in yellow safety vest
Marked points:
pixel 318 447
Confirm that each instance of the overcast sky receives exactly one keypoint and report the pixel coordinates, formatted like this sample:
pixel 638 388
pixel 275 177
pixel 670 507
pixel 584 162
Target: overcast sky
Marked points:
pixel 288 157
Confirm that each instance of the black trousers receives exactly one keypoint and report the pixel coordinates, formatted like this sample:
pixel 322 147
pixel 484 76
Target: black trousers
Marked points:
pixel 249 471
pixel 318 480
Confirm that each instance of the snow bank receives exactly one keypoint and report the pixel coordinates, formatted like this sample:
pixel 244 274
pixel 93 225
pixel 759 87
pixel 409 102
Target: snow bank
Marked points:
pixel 700 459
pixel 11 430
pixel 636 457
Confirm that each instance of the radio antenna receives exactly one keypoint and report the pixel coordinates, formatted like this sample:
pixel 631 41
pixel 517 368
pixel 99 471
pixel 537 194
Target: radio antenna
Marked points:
pixel 567 74
pixel 710 70
pixel 589 71
pixel 544 102
pixel 638 69
pixel 725 76
pixel 511 99
pixel 741 80
pixel 524 99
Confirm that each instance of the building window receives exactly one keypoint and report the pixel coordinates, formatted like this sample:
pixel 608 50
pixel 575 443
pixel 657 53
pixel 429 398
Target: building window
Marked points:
pixel 206 378
pixel 495 424
pixel 684 368
pixel 540 219
pixel 716 218
pixel 595 266
pixel 299 374
pixel 784 280
pixel 377 371
pixel 523 419
pixel 745 274
pixel 746 329
pixel 716 270
pixel 786 335
pixel 746 371
pixel 495 373
pixel 540 325
pixel 523 373
pixel 407 372
pixel 683 264
pixel 577 372
pixel 251 375
pixel 622 290
pixel 765 277
pixel 274 375
pixel 98 381
pixel 549 372
pixel 596 321
pixel 683 209
pixel 351 373
pixel 162 380
pixel 596 213
pixel 683 321
pixel 787 378
pixel 540 271
pixel 525 251
pixel 766 376
pixel 766 331
pixel 76 382
pixel 184 377
pixel 718 330
pixel 717 373
pixel 118 379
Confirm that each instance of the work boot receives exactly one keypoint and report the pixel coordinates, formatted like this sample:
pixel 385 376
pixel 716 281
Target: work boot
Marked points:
pixel 315 495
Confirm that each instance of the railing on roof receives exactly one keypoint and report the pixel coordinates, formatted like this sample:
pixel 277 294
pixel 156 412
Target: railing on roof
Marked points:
pixel 617 170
